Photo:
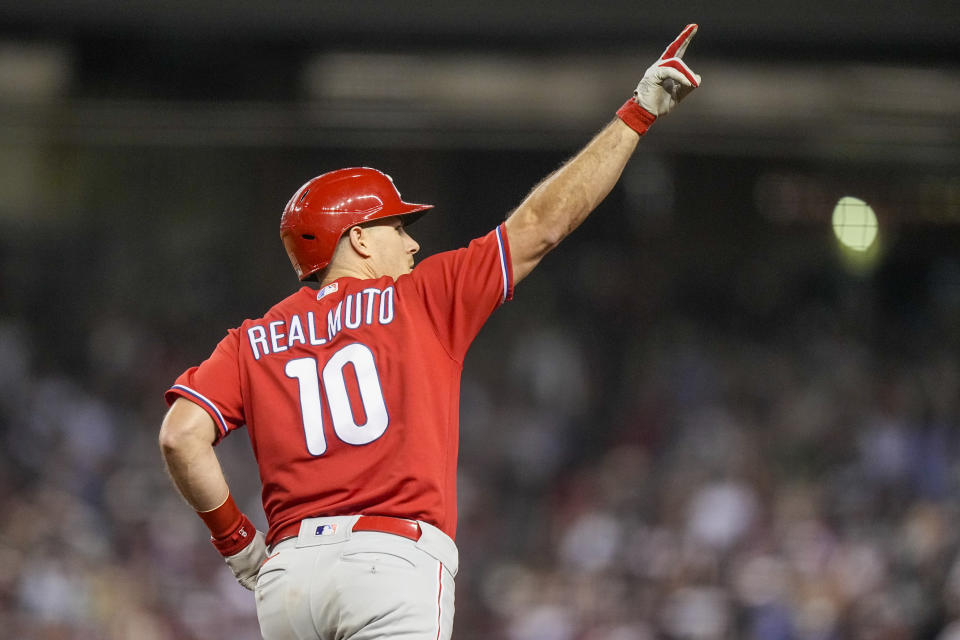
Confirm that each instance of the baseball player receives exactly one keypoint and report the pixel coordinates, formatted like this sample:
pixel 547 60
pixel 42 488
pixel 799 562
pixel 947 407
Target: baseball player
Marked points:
pixel 350 391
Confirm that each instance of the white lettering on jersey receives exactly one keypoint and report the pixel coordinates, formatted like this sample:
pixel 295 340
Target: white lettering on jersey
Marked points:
pixel 386 306
pixel 368 307
pixel 371 298
pixel 275 336
pixel 258 336
pixel 312 330
pixel 354 318
pixel 296 332
pixel 334 322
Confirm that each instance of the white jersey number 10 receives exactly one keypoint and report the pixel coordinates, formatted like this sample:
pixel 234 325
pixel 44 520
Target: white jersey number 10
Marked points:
pixel 307 373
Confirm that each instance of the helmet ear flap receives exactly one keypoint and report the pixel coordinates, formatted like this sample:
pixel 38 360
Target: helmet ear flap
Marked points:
pixel 320 211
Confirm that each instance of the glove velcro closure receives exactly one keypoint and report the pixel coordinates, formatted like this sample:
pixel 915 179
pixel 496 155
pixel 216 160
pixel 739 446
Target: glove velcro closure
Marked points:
pixel 230 530
pixel 237 539
pixel 635 116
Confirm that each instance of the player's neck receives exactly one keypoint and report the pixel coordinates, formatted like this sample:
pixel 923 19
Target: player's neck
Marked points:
pixel 360 270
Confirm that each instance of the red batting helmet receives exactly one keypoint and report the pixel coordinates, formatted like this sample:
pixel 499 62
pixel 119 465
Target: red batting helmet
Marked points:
pixel 322 210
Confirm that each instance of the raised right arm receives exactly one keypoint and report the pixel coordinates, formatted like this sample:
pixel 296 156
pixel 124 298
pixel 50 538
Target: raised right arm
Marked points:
pixel 564 199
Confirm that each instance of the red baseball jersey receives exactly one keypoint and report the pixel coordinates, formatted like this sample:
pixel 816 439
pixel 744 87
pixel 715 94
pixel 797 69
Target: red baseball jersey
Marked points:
pixel 351 394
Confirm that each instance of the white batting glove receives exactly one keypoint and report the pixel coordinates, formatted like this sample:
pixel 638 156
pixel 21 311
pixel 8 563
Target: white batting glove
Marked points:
pixel 246 563
pixel 668 80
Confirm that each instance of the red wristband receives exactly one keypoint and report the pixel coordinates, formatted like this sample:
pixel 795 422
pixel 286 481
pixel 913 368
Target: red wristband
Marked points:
pixel 230 529
pixel 635 116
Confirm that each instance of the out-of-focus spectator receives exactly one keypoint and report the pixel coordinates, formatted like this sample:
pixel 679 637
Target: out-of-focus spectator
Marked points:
pixel 625 474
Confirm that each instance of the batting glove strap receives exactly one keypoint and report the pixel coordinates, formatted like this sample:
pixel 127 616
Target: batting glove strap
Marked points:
pixel 237 538
pixel 635 116
pixel 230 529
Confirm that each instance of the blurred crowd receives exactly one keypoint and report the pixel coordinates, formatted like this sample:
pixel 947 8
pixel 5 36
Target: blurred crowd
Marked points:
pixel 627 473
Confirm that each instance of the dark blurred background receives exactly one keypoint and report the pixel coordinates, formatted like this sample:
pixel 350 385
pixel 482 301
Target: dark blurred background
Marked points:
pixel 700 418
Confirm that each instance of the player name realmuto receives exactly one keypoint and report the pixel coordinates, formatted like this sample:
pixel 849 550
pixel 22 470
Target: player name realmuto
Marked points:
pixel 367 307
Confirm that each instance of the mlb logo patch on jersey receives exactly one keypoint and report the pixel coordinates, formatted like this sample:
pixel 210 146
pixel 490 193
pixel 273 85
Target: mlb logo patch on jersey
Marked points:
pixel 327 290
pixel 326 530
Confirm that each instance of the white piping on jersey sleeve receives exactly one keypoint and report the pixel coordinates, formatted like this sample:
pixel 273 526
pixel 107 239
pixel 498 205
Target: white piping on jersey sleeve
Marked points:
pixel 503 265
pixel 204 401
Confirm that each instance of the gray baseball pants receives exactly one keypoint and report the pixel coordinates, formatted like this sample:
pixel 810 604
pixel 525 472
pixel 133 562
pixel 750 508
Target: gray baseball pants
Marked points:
pixel 333 583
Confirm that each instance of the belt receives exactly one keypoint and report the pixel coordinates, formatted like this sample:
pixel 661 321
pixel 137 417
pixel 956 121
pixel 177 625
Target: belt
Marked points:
pixel 385 524
pixel 382 524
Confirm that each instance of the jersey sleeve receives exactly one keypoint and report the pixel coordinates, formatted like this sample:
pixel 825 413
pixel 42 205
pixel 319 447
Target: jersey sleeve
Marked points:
pixel 461 288
pixel 215 386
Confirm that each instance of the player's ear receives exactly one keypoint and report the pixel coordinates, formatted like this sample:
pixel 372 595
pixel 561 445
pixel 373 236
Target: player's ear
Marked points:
pixel 359 240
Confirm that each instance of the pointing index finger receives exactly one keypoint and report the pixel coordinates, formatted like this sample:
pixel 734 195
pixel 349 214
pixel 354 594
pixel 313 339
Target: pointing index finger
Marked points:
pixel 676 48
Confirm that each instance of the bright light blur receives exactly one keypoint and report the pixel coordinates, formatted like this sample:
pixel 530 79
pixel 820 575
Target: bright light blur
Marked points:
pixel 854 223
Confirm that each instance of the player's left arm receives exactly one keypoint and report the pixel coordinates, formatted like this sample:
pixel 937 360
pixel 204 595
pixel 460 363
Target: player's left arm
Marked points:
pixel 564 199
pixel 186 442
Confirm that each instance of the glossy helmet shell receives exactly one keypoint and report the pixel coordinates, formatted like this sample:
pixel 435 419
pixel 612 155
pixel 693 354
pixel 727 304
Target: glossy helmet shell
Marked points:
pixel 323 209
